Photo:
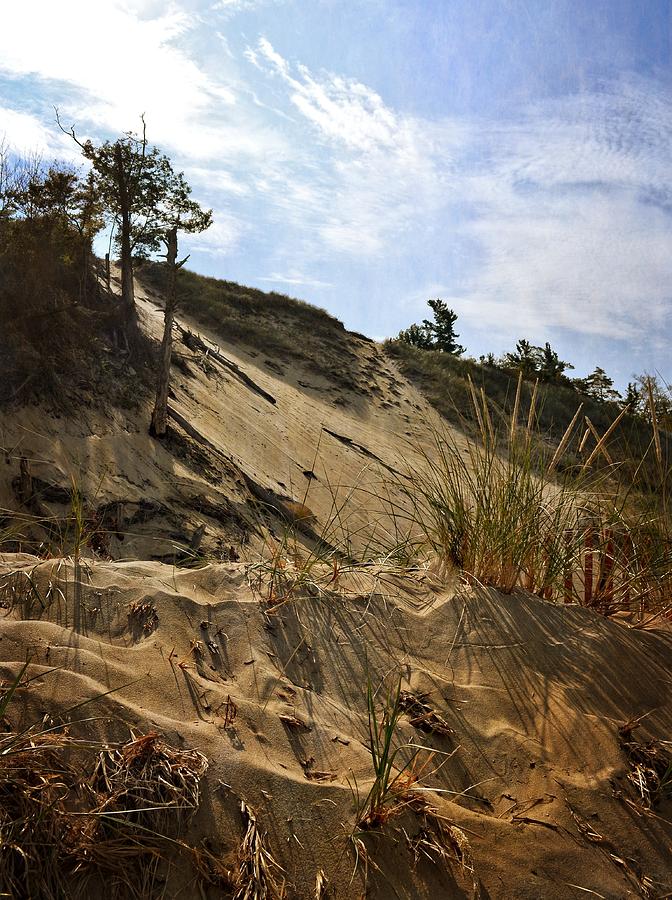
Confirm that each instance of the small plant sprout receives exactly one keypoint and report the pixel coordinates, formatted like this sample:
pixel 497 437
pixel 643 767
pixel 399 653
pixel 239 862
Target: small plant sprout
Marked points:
pixel 392 783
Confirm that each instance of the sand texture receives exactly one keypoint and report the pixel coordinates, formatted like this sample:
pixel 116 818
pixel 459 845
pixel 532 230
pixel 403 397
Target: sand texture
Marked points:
pixel 533 695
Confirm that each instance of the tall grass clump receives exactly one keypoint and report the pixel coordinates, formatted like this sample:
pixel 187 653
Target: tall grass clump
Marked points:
pixel 493 511
pixel 504 508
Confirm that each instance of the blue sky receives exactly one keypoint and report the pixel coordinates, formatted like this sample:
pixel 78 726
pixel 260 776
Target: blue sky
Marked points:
pixel 513 157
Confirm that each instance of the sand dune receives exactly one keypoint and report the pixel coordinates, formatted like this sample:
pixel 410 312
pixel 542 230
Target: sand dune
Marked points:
pixel 264 668
pixel 534 694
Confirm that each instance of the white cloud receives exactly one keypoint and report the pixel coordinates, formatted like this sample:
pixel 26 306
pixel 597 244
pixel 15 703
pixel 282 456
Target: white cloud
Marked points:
pixel 342 109
pixel 213 179
pixel 377 173
pixel 294 277
pixel 26 134
pixel 105 70
pixel 231 7
pixel 221 239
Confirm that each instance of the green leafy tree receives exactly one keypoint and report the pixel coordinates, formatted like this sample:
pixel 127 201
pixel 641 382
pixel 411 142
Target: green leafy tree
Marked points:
pixel 138 188
pixel 56 197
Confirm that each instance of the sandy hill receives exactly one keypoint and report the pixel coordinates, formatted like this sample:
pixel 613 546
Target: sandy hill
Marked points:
pixel 232 700
pixel 303 413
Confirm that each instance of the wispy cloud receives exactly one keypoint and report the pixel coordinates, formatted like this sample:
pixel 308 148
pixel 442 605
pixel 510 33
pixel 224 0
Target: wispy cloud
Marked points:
pixel 571 217
pixel 221 239
pixel 294 277
pixel 231 7
pixel 133 58
pixel 27 134
pixel 379 172
pixel 342 109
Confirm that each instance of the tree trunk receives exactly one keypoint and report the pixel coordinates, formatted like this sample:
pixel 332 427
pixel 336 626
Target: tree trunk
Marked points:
pixel 160 413
pixel 127 290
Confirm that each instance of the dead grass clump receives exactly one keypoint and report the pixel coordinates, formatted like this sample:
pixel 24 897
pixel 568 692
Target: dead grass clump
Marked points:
pixel 650 765
pixel 256 879
pixel 421 714
pixel 440 840
pixel 143 618
pixel 52 841
pixel 65 834
pixel 150 783
pixel 35 786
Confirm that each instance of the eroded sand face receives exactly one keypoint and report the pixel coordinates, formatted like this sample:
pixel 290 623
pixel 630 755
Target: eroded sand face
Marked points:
pixel 533 692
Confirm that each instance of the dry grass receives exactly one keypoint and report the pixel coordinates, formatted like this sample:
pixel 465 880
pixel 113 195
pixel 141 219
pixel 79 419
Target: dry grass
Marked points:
pixel 440 840
pixel 54 840
pixel 150 783
pixel 643 884
pixel 321 885
pixel 503 510
pixel 258 873
pixel 143 618
pixel 421 714
pixel 77 818
pixel 650 765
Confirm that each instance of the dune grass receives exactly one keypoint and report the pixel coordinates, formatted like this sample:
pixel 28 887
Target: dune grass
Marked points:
pixel 500 508
pixel 391 783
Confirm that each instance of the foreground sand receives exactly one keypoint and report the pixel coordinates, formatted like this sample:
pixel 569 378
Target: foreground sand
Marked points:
pixel 533 692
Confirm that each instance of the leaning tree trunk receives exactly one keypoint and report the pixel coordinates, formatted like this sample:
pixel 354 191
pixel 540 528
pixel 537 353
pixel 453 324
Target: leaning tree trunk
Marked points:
pixel 160 413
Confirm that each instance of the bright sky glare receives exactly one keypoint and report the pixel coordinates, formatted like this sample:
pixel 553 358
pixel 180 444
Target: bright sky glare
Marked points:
pixel 513 157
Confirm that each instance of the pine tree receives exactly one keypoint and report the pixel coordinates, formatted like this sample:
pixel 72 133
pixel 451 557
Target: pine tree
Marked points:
pixel 525 359
pixel 442 329
pixel 551 367
pixel 662 399
pixel 633 399
pixel 417 336
pixel 598 385
pixel 437 335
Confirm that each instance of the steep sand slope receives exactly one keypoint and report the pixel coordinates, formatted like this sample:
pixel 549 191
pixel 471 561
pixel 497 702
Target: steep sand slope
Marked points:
pixel 261 423
pixel 534 694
